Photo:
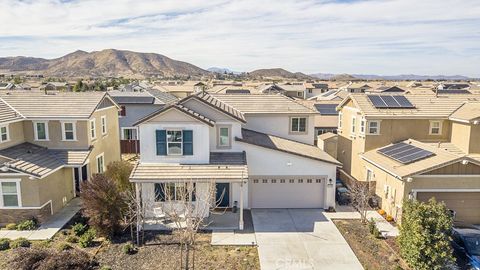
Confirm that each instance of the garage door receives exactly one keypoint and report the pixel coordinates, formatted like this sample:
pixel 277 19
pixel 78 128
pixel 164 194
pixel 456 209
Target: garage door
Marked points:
pixel 287 193
pixel 465 204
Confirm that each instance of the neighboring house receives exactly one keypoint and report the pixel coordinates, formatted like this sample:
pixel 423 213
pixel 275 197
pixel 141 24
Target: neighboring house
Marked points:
pixel 290 89
pixel 6 86
pixel 134 106
pixel 185 89
pixel 332 95
pixel 414 146
pixel 326 119
pixel 56 86
pixel 386 90
pixel 256 149
pixel 49 144
pixel 315 89
pixel 357 87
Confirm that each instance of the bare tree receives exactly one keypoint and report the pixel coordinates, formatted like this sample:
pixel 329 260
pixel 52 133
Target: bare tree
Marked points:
pixel 186 210
pixel 361 195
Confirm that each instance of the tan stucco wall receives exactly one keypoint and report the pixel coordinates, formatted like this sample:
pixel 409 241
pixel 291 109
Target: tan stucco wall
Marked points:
pixel 15 133
pixel 475 139
pixel 57 187
pixel 461 136
pixel 108 144
pixel 55 135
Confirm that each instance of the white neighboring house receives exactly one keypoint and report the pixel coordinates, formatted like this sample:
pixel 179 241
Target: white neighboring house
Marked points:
pixel 257 149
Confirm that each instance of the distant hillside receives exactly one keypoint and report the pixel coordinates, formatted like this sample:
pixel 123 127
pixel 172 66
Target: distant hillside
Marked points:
pixel 403 77
pixel 278 73
pixel 105 63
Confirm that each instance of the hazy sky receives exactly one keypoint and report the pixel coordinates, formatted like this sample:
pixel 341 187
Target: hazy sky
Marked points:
pixel 369 37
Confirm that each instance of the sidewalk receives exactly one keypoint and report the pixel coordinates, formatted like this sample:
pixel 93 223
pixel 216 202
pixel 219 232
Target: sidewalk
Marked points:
pixel 48 229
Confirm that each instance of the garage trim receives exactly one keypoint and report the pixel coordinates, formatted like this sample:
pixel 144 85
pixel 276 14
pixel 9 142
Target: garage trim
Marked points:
pixel 415 191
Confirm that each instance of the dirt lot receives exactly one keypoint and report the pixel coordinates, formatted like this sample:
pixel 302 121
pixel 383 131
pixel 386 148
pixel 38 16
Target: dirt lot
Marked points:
pixel 373 253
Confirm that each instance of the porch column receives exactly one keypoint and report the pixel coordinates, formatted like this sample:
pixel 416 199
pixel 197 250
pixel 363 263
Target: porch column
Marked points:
pixel 139 207
pixel 240 223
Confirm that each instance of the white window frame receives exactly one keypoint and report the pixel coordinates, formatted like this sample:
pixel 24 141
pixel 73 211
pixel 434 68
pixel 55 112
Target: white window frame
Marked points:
pixel 35 131
pixel 363 124
pixel 378 127
pixel 440 126
pixel 368 173
pixel 102 156
pixel 219 136
pixel 74 126
pixel 7 130
pixel 92 129
pixel 19 193
pixel 103 124
pixel 298 131
pixel 353 127
pixel 128 128
pixel 181 142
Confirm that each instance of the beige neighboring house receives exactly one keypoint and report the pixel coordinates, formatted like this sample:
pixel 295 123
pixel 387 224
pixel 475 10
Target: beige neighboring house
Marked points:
pixel 414 146
pixel 185 89
pixel 49 144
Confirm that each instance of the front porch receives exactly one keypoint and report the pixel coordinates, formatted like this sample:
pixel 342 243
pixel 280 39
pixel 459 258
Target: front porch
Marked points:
pixel 217 220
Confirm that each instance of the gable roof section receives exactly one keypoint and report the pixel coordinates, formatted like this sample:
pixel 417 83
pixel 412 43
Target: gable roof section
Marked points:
pixel 8 114
pixel 179 108
pixel 264 104
pixel 217 104
pixel 426 106
pixel 286 146
pixel 468 112
pixel 67 105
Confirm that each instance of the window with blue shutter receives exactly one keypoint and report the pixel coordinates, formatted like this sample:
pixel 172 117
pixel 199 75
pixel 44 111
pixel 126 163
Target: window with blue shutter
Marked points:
pixel 159 192
pixel 161 139
pixel 187 142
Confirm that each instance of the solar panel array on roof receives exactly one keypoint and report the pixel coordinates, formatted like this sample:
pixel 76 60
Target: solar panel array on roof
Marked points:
pixel 327 109
pixel 390 101
pixel 404 153
pixel 451 91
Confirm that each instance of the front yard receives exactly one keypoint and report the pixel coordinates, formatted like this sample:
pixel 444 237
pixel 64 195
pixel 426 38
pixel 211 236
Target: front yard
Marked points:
pixel 372 253
pixel 162 251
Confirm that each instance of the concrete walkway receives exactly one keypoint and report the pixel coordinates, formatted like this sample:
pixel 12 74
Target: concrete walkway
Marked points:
pixel 230 237
pixel 300 239
pixel 48 229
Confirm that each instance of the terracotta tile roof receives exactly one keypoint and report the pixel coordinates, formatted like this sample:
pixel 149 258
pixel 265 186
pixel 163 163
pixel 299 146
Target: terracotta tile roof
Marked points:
pixel 285 145
pixel 264 104
pixel 35 104
pixel 40 161
pixel 178 172
pixel 7 113
pixel 426 106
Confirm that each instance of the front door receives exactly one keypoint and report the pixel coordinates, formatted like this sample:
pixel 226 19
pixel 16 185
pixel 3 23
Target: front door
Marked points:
pixel 81 175
pixel 222 194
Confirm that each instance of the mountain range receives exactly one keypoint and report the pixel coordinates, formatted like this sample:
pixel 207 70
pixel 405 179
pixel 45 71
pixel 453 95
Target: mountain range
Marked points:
pixel 116 63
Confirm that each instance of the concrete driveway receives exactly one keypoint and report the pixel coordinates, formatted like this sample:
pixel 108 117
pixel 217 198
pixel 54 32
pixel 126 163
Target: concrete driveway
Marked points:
pixel 300 239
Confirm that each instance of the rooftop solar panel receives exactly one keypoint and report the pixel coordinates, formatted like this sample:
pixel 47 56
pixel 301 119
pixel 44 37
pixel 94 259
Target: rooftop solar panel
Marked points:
pixel 389 101
pixel 326 109
pixel 404 153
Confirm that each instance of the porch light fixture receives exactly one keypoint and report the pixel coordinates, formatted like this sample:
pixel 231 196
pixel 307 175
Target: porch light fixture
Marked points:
pixel 464 162
pixel 409 179
pixel 476 122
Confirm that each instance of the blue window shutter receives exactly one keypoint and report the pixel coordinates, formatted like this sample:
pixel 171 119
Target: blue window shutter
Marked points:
pixel 188 142
pixel 161 138
pixel 159 192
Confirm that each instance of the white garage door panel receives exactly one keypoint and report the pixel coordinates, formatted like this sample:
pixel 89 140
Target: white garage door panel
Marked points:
pixel 287 195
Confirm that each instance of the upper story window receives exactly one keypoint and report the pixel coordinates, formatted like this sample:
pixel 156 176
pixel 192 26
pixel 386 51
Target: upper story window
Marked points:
pixel 69 131
pixel 104 124
pixel 298 124
pixel 174 142
pixel 93 129
pixel 224 137
pixel 40 130
pixel 4 136
pixel 369 176
pixel 339 120
pixel 362 126
pixel 373 127
pixel 123 111
pixel 10 194
pixel 354 124
pixel 435 127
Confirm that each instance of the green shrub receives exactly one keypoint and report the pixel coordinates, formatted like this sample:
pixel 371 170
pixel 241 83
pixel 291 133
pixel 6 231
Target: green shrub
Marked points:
pixel 11 226
pixel 20 242
pixel 71 239
pixel 64 246
pixel 4 244
pixel 371 225
pixel 79 229
pixel 425 235
pixel 129 249
pixel 105 267
pixel 376 233
pixel 27 225
pixel 86 240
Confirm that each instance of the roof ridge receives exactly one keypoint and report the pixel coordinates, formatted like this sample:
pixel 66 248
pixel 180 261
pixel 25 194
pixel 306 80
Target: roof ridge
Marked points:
pixel 11 107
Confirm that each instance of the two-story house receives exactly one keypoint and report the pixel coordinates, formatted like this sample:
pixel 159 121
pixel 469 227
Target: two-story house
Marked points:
pixel 414 146
pixel 256 149
pixel 49 144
